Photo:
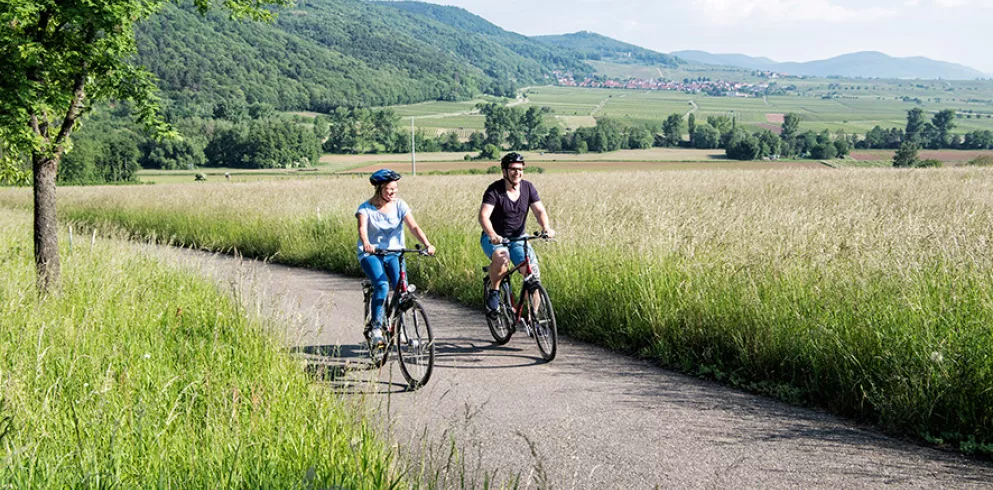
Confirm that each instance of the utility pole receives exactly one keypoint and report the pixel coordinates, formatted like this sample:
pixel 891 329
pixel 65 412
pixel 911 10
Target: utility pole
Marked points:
pixel 413 153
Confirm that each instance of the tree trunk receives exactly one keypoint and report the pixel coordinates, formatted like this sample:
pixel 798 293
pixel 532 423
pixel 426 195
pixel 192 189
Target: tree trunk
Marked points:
pixel 46 237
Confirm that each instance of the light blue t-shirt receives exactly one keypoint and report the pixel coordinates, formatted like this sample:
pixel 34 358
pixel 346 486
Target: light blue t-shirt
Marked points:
pixel 385 229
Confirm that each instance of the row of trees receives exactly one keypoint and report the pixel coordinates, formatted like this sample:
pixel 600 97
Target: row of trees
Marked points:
pixel 934 134
pixel 110 149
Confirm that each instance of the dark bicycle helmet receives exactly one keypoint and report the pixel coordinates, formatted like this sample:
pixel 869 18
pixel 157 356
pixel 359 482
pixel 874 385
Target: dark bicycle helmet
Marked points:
pixel 383 176
pixel 512 157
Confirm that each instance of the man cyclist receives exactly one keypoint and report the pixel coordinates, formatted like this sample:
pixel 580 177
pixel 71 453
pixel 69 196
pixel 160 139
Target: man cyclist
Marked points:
pixel 503 214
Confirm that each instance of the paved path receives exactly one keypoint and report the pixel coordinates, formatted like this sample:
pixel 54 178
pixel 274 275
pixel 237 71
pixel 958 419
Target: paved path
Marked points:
pixel 590 419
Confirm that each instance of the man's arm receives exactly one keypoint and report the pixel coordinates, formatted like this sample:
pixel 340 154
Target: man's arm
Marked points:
pixel 541 215
pixel 485 211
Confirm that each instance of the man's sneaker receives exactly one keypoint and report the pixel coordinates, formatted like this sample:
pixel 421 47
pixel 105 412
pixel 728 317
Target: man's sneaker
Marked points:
pixel 376 338
pixel 492 302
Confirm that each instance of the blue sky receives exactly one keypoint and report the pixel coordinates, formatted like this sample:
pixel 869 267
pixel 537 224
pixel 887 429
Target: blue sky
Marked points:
pixel 959 31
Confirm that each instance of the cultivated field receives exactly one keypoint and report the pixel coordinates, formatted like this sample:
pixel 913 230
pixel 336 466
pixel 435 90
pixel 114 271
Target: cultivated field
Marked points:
pixel 590 166
pixel 859 106
pixel 649 155
pixel 947 156
pixel 866 292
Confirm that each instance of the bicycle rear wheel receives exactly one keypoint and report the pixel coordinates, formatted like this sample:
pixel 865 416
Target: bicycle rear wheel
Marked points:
pixel 501 326
pixel 415 344
pixel 543 321
pixel 378 355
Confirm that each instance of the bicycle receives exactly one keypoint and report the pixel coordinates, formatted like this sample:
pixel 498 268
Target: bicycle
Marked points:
pixel 532 310
pixel 406 326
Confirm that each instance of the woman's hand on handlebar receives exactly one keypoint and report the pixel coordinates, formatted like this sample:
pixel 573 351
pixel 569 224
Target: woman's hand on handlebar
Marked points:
pixel 369 248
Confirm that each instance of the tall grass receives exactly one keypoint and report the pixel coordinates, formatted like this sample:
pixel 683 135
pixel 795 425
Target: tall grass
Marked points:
pixel 139 376
pixel 869 293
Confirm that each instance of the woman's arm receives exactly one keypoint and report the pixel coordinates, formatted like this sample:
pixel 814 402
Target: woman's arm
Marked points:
pixel 418 232
pixel 364 234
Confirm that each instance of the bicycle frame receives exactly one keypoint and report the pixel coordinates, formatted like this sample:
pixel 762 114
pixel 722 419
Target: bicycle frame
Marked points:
pixel 392 306
pixel 527 273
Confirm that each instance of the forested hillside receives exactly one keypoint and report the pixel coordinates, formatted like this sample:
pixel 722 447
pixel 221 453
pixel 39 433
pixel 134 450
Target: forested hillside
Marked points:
pixel 328 53
pixel 503 53
pixel 593 46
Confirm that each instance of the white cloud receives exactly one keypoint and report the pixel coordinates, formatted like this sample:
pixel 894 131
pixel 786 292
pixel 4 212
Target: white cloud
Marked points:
pixel 737 11
pixel 963 3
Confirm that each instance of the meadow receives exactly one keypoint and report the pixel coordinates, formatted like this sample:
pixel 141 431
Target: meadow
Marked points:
pixel 138 375
pixel 866 292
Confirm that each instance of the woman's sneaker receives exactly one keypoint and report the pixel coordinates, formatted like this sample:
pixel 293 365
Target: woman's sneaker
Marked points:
pixel 375 338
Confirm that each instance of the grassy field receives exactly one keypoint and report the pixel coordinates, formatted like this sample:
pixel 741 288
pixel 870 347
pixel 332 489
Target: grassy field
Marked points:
pixel 866 292
pixel 141 376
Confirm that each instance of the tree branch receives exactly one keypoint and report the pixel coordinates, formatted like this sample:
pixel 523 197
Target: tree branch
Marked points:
pixel 75 108
pixel 78 95
pixel 43 19
pixel 35 126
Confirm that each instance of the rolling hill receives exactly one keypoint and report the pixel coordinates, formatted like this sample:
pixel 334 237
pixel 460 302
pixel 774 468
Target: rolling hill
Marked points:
pixel 324 53
pixel 865 64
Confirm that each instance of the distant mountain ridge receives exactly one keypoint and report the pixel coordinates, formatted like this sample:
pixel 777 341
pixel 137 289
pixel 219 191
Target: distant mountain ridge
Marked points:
pixel 865 64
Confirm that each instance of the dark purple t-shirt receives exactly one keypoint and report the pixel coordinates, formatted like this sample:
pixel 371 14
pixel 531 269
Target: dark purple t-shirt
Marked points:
pixel 508 216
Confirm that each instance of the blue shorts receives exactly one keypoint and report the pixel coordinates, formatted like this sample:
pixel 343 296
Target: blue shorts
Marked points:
pixel 516 252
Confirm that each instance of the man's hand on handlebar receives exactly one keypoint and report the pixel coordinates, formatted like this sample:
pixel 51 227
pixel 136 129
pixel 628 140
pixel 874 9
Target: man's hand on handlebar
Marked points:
pixel 496 239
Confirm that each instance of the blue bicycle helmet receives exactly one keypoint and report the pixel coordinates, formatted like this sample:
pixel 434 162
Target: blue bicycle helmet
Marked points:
pixel 383 176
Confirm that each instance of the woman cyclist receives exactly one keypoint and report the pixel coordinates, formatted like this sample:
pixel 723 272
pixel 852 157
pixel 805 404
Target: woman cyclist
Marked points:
pixel 380 222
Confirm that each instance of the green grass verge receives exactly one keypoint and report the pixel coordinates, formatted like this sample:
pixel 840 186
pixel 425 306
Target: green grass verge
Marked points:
pixel 141 376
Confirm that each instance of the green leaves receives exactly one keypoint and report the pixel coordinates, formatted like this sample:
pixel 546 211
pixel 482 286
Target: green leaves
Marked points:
pixel 58 58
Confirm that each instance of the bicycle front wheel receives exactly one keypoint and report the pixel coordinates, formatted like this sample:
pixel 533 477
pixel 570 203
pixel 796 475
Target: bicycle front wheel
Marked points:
pixel 543 322
pixel 501 324
pixel 415 345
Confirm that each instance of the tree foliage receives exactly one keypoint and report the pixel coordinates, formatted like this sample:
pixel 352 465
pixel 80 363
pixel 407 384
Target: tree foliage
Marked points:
pixel 56 59
pixel 906 156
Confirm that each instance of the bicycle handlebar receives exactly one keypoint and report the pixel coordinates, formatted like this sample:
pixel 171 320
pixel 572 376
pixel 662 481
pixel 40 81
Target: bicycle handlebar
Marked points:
pixel 537 234
pixel 418 251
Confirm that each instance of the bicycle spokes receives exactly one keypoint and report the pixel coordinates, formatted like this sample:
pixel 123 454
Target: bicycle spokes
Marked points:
pixel 415 344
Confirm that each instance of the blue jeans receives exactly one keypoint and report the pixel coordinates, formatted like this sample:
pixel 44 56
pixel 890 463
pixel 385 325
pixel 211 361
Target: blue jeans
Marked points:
pixel 516 250
pixel 384 272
